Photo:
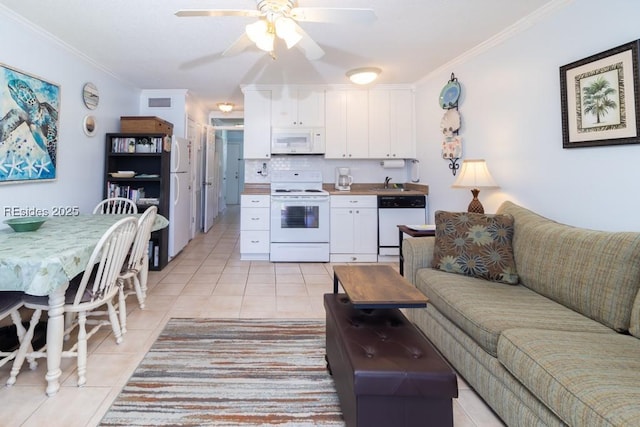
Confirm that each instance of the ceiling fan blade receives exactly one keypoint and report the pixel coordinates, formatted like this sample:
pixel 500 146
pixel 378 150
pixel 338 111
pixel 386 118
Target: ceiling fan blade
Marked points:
pixel 238 46
pixel 339 16
pixel 310 48
pixel 216 12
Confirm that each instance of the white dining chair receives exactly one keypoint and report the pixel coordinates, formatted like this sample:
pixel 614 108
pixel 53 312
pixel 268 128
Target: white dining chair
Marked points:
pixel 133 277
pixel 116 205
pixel 95 288
pixel 10 304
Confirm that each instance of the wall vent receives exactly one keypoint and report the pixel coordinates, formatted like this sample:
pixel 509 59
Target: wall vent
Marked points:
pixel 159 102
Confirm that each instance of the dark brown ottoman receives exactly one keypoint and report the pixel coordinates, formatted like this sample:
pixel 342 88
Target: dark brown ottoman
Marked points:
pixel 385 371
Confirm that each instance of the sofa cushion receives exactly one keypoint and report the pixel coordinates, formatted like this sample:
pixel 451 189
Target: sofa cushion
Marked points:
pixel 634 327
pixel 483 309
pixel 588 379
pixel 596 273
pixel 475 244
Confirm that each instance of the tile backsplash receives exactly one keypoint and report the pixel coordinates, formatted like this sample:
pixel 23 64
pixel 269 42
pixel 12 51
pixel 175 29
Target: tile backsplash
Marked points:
pixel 363 171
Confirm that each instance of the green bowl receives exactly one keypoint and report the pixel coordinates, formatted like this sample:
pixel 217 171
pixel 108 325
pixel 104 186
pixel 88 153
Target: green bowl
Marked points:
pixel 26 223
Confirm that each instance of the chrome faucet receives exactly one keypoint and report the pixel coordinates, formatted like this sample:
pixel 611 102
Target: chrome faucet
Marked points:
pixel 386 182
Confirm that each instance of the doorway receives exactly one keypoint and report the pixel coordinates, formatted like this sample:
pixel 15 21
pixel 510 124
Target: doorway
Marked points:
pixel 235 167
pixel 229 136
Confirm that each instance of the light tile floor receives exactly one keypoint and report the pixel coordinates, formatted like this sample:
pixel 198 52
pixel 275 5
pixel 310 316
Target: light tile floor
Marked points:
pixel 207 279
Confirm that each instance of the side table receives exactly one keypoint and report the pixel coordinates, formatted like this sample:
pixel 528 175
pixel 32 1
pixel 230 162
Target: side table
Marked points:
pixel 402 230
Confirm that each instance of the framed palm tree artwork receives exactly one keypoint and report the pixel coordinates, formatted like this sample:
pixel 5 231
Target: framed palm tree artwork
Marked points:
pixel 600 100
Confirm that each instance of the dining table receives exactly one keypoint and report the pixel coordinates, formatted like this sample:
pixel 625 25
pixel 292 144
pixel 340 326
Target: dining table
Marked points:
pixel 42 262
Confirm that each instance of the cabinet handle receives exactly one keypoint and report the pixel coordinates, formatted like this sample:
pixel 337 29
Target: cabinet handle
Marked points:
pixel 353 201
pixel 255 219
pixel 255 241
pixel 255 201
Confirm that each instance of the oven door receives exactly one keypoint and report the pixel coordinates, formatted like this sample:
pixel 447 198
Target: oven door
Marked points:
pixel 299 219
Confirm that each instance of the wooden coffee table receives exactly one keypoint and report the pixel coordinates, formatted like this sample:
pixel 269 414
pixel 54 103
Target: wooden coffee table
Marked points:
pixel 376 286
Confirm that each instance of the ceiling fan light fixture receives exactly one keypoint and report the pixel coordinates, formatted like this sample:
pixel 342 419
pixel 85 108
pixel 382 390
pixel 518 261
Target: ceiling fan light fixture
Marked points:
pixel 225 107
pixel 261 33
pixel 257 30
pixel 363 76
pixel 286 30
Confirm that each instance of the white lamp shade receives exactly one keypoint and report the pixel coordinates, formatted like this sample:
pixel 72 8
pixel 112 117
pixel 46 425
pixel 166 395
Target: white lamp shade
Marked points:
pixel 266 42
pixel 474 174
pixel 286 30
pixel 257 30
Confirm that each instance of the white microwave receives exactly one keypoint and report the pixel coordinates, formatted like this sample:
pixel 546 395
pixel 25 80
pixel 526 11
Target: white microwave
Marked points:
pixel 297 141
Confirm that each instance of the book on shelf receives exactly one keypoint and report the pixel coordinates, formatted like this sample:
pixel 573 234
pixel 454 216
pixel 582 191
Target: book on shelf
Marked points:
pixel 148 201
pixel 128 144
pixel 116 190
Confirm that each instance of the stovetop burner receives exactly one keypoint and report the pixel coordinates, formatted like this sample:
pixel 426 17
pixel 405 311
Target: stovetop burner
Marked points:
pixel 298 191
pixel 297 183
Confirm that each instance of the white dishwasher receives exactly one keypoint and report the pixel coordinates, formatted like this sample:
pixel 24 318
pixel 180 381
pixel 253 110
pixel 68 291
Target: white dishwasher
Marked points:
pixel 394 210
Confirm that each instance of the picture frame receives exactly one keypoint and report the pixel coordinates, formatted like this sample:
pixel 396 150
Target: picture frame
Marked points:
pixel 599 99
pixel 90 96
pixel 89 125
pixel 29 124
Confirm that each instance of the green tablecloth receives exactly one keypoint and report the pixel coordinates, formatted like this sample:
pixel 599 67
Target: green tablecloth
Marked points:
pixel 38 262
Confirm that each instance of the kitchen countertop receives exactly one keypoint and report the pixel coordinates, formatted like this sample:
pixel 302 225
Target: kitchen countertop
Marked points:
pixel 371 189
pixel 410 189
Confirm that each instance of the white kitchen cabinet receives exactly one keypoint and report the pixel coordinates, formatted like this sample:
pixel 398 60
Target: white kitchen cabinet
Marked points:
pixel 391 123
pixel 257 124
pixel 354 228
pixel 254 227
pixel 347 124
pixel 293 106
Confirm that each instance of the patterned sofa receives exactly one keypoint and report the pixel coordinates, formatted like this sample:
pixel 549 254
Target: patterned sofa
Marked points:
pixel 561 346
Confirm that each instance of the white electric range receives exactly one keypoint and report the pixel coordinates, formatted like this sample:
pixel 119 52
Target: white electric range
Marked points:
pixel 299 217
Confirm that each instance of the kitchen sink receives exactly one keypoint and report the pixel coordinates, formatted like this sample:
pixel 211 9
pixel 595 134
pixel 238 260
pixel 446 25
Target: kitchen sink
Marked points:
pixel 388 190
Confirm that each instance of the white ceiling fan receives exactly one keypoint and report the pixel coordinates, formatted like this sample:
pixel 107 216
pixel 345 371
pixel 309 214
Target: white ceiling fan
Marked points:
pixel 279 18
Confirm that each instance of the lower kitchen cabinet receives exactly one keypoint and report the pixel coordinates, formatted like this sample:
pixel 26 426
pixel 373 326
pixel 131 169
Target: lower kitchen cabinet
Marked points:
pixel 354 229
pixel 254 227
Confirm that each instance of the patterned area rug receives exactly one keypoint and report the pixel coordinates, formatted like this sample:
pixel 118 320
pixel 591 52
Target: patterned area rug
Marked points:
pixel 211 372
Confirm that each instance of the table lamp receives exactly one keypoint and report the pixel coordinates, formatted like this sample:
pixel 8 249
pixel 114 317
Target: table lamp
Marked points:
pixel 474 175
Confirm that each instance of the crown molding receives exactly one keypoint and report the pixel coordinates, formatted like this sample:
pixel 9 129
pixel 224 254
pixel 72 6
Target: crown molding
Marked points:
pixel 508 33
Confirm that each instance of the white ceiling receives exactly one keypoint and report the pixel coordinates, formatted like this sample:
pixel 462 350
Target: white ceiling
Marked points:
pixel 144 43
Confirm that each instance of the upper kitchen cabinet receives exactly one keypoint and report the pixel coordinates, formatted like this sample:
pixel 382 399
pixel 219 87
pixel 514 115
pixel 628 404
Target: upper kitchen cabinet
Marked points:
pixel 257 124
pixel 347 124
pixel 391 124
pixel 294 106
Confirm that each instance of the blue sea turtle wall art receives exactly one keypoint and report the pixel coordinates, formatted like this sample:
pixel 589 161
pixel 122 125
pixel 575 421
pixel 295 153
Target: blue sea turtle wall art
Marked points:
pixel 28 127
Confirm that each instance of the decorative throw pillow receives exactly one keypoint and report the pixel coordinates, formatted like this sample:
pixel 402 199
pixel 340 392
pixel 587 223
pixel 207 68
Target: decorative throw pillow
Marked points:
pixel 477 245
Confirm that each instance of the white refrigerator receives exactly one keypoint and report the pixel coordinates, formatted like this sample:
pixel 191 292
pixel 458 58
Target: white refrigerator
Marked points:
pixel 180 197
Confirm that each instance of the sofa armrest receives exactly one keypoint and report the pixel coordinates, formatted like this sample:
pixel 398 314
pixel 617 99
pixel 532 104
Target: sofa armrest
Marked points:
pixel 417 253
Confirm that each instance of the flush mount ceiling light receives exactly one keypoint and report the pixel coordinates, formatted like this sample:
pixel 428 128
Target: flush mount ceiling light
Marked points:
pixel 363 76
pixel 225 107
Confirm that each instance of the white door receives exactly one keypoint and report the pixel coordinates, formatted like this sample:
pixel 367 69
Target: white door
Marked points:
pixel 233 173
pixel 209 184
pixel 220 166
pixel 194 132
